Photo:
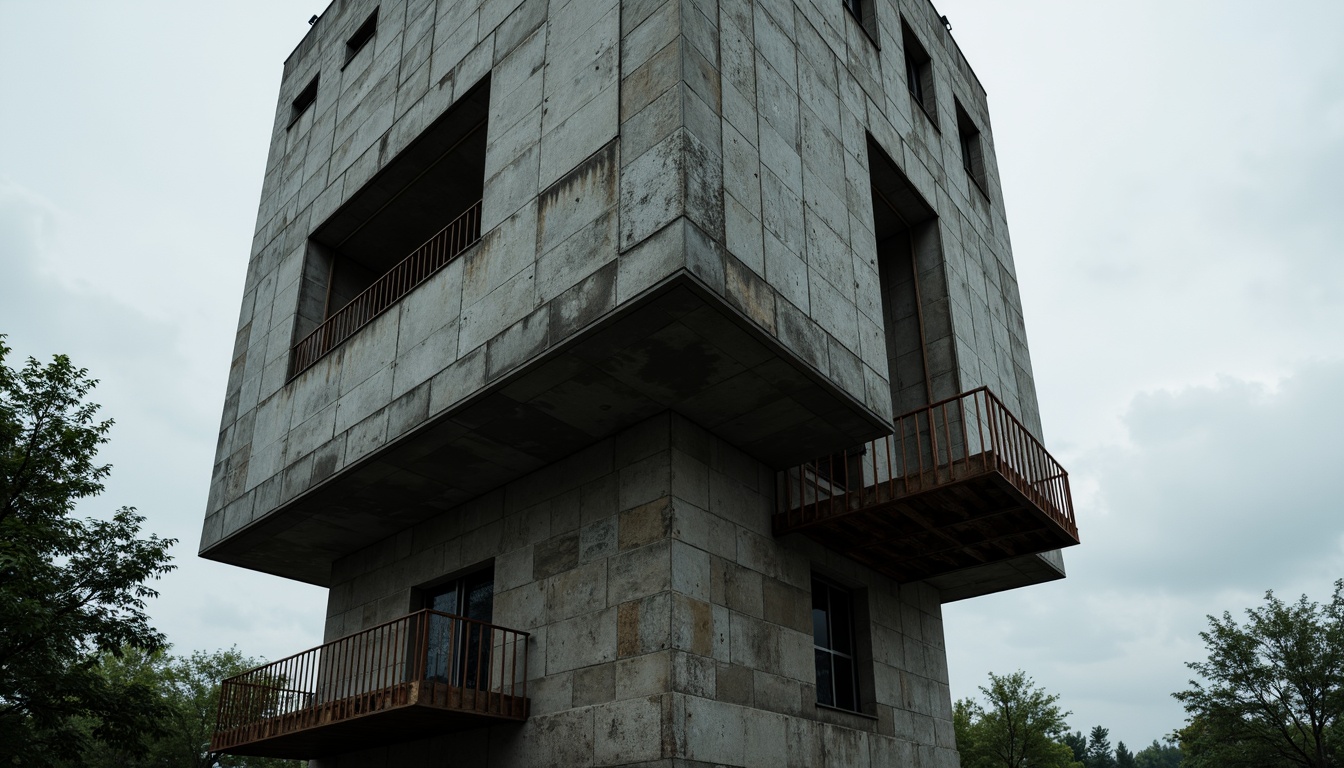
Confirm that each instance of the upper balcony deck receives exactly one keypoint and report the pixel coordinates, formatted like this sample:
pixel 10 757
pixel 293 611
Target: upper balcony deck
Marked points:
pixel 959 484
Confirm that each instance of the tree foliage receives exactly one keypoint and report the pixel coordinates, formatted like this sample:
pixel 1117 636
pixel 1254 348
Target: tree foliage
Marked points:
pixel 1273 688
pixel 1077 743
pixel 1123 757
pixel 1098 754
pixel 187 687
pixel 1019 725
pixel 71 590
pixel 1157 755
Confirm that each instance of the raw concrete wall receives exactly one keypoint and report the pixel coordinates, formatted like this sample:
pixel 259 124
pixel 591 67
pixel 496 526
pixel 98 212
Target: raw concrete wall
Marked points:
pixel 628 141
pixel 665 620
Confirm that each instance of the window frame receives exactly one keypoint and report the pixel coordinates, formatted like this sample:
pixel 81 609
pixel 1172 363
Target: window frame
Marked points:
pixel 361 37
pixel 865 14
pixel 304 101
pixel 972 145
pixel 919 80
pixel 851 654
pixel 458 661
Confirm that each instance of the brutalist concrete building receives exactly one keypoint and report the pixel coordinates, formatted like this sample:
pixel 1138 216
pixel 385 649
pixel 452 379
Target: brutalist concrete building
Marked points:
pixel 640 377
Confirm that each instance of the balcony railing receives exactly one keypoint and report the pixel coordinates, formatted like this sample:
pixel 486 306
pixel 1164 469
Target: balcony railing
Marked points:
pixel 388 677
pixel 386 291
pixel 890 486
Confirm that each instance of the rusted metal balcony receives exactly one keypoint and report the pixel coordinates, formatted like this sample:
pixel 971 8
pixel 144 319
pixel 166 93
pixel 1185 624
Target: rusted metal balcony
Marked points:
pixel 418 675
pixel 435 254
pixel 958 484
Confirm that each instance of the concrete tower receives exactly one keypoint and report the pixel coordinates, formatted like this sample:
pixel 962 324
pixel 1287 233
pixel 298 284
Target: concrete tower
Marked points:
pixel 639 376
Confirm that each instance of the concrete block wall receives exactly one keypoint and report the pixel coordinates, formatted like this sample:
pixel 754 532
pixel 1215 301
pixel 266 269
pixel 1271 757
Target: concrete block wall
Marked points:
pixel 666 622
pixel 544 267
pixel 801 83
pixel 628 140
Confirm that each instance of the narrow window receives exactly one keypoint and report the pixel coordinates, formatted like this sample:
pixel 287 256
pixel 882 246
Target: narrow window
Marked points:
pixel 919 73
pixel 304 100
pixel 862 11
pixel 362 36
pixel 972 149
pixel 459 633
pixel 833 645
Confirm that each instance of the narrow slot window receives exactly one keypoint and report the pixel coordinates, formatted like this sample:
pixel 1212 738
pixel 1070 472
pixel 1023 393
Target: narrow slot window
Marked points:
pixel 362 36
pixel 919 73
pixel 972 149
pixel 833 645
pixel 304 100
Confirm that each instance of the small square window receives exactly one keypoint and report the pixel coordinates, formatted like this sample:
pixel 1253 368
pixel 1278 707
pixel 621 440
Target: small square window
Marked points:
pixel 972 149
pixel 304 100
pixel 833 645
pixel 919 73
pixel 362 36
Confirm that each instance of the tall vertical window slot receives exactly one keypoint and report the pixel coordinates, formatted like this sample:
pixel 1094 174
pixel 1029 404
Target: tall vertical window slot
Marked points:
pixel 833 645
pixel 972 149
pixel 303 101
pixel 919 73
pixel 362 36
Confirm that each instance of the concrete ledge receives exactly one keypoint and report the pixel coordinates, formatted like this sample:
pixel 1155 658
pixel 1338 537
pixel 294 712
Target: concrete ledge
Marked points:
pixel 678 346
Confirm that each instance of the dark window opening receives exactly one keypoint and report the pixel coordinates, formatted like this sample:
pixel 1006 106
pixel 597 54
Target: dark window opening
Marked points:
pixel 972 149
pixel 362 36
pixel 417 215
pixel 304 100
pixel 456 648
pixel 862 11
pixel 910 264
pixel 833 645
pixel 919 73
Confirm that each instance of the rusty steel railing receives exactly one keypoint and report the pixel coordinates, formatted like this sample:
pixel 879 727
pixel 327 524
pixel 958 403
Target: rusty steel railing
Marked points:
pixel 436 253
pixel 963 436
pixel 426 658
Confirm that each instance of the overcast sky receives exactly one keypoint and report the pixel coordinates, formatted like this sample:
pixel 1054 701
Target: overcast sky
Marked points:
pixel 1172 174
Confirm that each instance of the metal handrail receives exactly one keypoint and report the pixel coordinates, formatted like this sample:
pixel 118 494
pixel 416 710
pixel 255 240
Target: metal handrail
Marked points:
pixel 435 254
pixel 933 446
pixel 427 658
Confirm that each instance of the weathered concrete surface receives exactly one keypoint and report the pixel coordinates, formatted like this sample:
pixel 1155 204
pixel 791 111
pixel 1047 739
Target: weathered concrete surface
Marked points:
pixel 719 237
pixel 666 623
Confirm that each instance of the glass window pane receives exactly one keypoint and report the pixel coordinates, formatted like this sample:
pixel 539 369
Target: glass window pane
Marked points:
pixel 480 601
pixel 840 623
pixel 845 697
pixel 821 635
pixel 825 680
pixel 445 601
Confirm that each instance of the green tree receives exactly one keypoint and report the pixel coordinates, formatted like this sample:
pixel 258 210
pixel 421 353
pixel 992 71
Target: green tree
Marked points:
pixel 190 686
pixel 1099 749
pixel 1273 688
pixel 1076 741
pixel 1123 757
pixel 187 688
pixel 71 590
pixel 1018 725
pixel 1157 755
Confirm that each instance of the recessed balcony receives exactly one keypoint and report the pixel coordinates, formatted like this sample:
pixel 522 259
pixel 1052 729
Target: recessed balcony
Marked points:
pixel 958 484
pixel 421 674
pixel 423 263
